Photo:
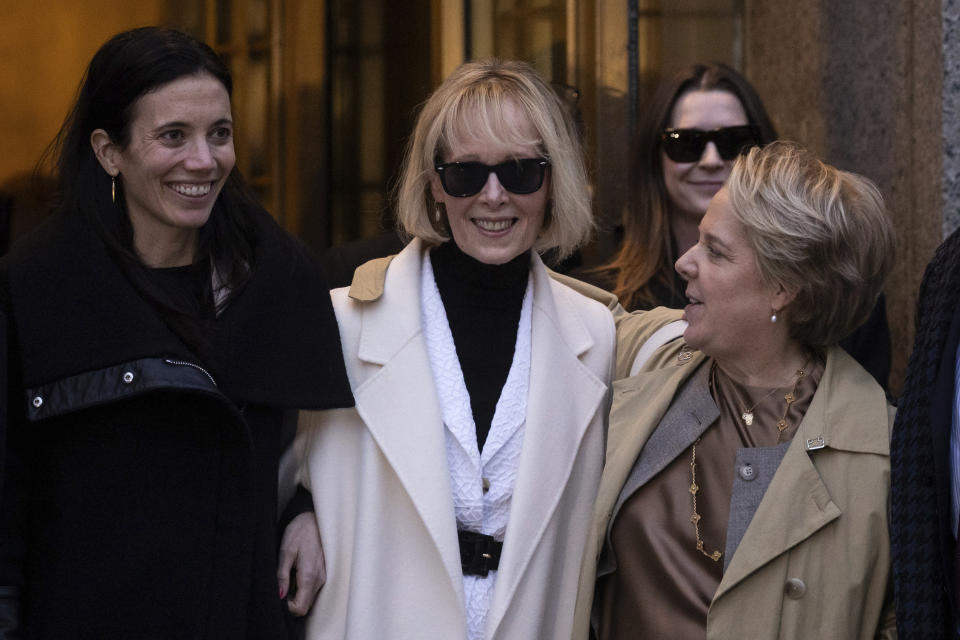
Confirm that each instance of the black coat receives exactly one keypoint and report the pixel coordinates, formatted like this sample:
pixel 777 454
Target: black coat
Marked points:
pixel 921 528
pixel 140 495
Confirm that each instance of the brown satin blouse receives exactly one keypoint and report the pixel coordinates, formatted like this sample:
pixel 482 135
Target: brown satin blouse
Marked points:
pixel 663 585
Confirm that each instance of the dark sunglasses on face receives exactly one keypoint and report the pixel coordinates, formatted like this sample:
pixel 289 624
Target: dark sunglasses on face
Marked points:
pixel 520 176
pixel 687 145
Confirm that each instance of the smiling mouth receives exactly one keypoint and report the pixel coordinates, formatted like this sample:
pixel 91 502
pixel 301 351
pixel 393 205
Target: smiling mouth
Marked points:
pixel 494 226
pixel 192 190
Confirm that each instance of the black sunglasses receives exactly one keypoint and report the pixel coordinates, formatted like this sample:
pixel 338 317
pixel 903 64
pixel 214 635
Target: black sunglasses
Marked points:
pixel 687 145
pixel 464 179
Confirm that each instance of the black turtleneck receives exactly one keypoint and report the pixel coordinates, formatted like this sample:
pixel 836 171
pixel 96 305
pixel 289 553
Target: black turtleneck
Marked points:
pixel 482 302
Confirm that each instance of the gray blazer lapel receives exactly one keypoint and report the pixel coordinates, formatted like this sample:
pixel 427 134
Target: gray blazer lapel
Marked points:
pixel 753 471
pixel 689 415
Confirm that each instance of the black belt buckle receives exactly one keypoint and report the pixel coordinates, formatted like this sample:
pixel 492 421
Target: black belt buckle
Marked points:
pixel 479 553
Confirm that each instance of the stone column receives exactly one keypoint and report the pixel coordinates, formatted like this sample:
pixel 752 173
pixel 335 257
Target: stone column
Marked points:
pixel 951 116
pixel 860 82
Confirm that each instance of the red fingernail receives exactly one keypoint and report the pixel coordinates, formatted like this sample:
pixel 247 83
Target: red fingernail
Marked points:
pixel 282 593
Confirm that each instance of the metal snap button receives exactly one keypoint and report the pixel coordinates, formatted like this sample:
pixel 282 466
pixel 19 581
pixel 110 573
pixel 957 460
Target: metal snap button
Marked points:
pixel 795 588
pixel 485 483
pixel 38 402
pixel 128 377
pixel 747 472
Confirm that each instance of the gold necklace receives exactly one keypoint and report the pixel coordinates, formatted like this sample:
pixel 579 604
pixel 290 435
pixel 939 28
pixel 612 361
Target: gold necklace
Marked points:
pixel 695 517
pixel 747 414
pixel 790 398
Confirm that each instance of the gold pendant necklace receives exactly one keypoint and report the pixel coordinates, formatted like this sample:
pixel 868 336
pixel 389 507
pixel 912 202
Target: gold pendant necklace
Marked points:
pixel 747 414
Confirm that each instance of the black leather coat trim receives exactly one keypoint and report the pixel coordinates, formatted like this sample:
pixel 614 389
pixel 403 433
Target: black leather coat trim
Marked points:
pixel 115 383
pixel 277 343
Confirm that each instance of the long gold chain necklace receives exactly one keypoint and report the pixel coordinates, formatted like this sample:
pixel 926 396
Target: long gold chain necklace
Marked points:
pixel 695 518
pixel 790 399
pixel 694 489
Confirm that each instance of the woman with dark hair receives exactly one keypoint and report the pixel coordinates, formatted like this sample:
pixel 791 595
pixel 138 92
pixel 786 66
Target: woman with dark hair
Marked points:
pixel 695 126
pixel 158 331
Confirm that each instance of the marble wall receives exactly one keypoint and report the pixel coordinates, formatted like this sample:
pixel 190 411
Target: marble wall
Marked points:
pixel 951 115
pixel 861 82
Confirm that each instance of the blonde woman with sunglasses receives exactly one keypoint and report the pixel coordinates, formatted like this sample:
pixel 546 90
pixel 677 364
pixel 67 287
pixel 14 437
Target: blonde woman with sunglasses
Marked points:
pixel 454 501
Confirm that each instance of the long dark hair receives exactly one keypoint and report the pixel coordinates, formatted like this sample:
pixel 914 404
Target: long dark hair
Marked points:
pixel 644 263
pixel 128 66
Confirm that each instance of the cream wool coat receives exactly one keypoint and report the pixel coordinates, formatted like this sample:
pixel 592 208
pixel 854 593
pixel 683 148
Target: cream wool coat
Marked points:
pixel 381 485
pixel 822 522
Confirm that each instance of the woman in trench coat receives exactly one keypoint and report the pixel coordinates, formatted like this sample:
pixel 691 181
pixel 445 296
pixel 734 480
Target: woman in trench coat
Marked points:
pixel 746 486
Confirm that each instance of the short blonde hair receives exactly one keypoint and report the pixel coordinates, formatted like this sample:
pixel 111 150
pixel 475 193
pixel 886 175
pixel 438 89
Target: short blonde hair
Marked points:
pixel 817 231
pixel 471 103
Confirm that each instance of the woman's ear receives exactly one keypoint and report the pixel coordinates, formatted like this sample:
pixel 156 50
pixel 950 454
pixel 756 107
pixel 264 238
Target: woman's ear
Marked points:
pixel 107 152
pixel 436 188
pixel 782 297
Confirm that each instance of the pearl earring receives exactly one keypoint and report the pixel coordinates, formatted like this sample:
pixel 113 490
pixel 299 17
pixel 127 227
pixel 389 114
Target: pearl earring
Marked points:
pixel 773 318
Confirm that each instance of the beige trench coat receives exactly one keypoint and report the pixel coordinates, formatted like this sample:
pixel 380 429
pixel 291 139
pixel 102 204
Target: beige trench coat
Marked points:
pixel 814 562
pixel 379 476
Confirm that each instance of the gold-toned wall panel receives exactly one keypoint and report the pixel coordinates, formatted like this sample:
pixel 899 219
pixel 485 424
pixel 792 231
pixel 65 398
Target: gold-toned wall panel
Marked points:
pixel 45 46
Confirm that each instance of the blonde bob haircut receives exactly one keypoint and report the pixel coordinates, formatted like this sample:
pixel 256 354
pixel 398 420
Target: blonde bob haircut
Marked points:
pixel 470 105
pixel 821 233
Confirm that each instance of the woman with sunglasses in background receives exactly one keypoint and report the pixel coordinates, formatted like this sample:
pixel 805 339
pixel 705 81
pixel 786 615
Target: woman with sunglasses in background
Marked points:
pixel 454 500
pixel 695 126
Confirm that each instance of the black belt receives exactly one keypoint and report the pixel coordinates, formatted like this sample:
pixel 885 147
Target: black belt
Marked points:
pixel 479 553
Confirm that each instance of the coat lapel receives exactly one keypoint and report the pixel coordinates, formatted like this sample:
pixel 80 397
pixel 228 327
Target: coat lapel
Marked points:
pixel 687 418
pixel 556 422
pixel 639 402
pixel 399 403
pixel 797 503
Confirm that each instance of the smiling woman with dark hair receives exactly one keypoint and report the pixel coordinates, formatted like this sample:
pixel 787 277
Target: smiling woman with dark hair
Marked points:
pixel 157 331
pixel 696 125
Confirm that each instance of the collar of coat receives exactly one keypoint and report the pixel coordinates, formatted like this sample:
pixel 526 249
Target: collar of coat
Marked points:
pixel 844 412
pixel 369 284
pixel 848 412
pixel 388 327
pixel 75 311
